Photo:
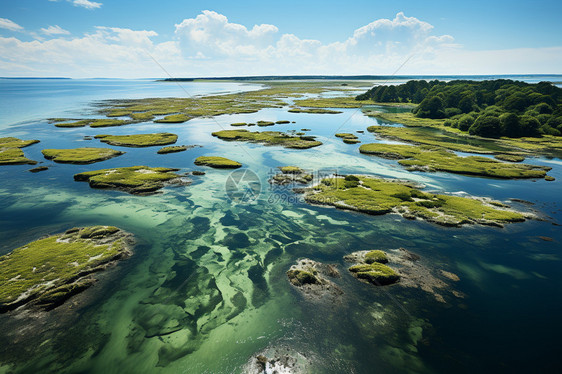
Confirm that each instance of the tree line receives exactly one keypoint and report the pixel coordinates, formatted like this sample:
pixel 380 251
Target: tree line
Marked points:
pixel 493 108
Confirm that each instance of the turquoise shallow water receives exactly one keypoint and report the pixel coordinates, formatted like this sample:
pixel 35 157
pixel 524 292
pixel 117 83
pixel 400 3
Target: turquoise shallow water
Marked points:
pixel 206 288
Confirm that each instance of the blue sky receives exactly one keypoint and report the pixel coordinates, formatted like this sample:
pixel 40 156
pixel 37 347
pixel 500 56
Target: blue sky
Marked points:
pixel 448 37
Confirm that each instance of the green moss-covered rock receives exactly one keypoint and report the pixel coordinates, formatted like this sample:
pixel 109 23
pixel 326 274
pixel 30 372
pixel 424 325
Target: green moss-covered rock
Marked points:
pixel 427 158
pixel 268 138
pixel 351 140
pixel 376 256
pixel 139 140
pixel 291 175
pixel 375 273
pixel 239 124
pixel 265 123
pixel 549 178
pixel 217 162
pixel 302 277
pixel 80 155
pixel 134 180
pixel 48 271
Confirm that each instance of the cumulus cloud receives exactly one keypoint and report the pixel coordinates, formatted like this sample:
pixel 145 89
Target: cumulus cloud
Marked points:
pixel 210 35
pixel 211 45
pixel 9 25
pixel 54 30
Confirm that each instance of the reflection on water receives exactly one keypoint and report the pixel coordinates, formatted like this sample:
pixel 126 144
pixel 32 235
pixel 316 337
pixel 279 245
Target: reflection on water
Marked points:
pixel 206 288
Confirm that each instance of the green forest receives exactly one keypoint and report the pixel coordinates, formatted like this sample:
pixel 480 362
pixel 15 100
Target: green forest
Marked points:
pixel 492 109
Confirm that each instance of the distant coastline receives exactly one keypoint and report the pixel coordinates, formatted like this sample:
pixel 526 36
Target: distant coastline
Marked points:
pixel 358 77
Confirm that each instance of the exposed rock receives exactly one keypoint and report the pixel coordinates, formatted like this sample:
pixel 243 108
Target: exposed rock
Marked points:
pixel 310 278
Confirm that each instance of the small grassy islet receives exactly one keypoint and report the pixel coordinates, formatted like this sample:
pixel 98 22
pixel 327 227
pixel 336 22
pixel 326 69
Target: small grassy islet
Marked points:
pixel 134 179
pixel 268 138
pixel 217 162
pixel 80 155
pixel 139 140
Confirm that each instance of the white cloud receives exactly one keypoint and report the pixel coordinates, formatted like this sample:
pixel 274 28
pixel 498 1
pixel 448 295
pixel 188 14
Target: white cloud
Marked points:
pixel 211 35
pixel 210 45
pixel 55 30
pixel 86 4
pixel 9 25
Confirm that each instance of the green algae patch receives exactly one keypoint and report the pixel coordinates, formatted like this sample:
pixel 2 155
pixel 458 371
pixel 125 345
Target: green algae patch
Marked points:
pixel 377 196
pixel 134 180
pixel 139 140
pixel 268 138
pixel 172 149
pixel 14 156
pixel 313 111
pixel 217 162
pixel 48 271
pixel 375 273
pixel 424 158
pixel 80 155
pixel 174 118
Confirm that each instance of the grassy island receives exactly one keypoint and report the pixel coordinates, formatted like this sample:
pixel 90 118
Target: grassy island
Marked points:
pixel 381 196
pixel 10 152
pixel 80 155
pixel 313 111
pixel 331 102
pixel 173 149
pixel 268 138
pixel 139 140
pixel 425 158
pixel 134 180
pixel 174 118
pixel 100 122
pixel 48 271
pixel 217 162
